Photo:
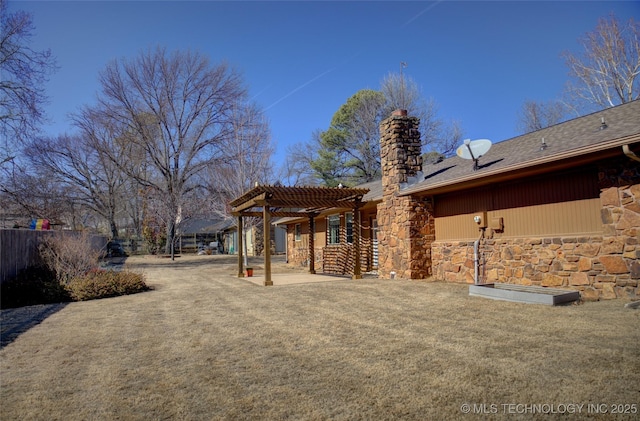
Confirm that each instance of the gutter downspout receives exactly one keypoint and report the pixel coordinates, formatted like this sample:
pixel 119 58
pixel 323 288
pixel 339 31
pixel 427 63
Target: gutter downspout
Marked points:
pixel 627 151
pixel 476 260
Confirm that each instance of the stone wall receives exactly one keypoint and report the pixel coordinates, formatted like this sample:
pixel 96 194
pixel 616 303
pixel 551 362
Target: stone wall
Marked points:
pixel 405 224
pixel 334 258
pixel 298 251
pixel 601 267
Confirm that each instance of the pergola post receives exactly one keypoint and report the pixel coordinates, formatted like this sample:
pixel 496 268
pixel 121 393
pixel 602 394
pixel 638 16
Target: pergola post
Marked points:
pixel 266 220
pixel 240 230
pixel 357 271
pixel 312 252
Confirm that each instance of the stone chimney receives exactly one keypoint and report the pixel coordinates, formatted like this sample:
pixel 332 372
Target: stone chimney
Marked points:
pixel 405 223
pixel 400 149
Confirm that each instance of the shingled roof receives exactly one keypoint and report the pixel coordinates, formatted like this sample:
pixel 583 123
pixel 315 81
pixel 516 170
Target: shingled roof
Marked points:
pixel 581 140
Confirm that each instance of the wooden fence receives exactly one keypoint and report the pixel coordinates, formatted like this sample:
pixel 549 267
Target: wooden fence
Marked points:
pixel 19 249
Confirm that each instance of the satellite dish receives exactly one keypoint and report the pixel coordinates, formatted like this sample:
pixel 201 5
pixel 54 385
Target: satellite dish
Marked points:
pixel 473 149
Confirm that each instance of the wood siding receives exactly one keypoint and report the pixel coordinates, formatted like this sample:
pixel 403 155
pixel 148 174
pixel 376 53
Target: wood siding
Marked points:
pixel 566 204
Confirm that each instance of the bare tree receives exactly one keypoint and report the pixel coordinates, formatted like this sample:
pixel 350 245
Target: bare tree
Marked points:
pixel 246 161
pixel 178 109
pixel 449 137
pixel 24 72
pixel 402 92
pixel 538 115
pixel 298 166
pixel 82 166
pixel 39 194
pixel 607 74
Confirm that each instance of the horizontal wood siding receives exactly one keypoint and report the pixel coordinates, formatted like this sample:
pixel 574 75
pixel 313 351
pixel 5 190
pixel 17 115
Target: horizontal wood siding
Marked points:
pixel 565 204
pixel 556 219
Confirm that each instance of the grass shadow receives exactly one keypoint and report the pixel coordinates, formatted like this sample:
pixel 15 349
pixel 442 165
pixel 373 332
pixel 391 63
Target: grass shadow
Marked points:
pixel 16 321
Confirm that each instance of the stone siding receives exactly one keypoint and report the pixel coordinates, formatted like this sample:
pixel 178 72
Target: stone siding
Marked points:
pixel 405 224
pixel 334 258
pixel 601 267
pixel 581 263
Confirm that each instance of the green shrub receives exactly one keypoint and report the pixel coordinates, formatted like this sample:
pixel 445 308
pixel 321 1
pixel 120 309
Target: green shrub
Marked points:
pixel 103 284
pixel 34 285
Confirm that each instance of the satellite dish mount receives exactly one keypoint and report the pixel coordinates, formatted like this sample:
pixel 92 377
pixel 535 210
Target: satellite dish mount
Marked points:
pixel 473 149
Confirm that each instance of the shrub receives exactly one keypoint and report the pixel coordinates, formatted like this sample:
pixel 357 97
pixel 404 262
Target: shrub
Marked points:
pixel 34 285
pixel 69 256
pixel 103 284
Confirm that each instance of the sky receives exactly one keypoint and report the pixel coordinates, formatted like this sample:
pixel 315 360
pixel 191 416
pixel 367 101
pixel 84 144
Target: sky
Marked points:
pixel 301 60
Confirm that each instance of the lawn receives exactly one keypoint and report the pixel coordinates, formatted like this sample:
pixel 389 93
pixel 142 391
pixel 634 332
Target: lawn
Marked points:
pixel 205 345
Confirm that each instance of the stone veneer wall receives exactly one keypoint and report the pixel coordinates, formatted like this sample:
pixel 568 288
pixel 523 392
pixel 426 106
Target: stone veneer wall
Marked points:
pixel 601 267
pixel 405 224
pixel 298 251
pixel 334 258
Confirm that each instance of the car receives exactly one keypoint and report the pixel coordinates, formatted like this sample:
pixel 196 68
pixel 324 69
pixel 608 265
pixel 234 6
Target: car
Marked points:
pixel 115 249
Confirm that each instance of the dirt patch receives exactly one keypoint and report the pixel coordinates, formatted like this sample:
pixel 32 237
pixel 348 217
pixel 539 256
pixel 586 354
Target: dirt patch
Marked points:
pixel 206 345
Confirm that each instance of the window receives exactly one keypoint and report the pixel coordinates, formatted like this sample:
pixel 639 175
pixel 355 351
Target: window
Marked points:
pixel 333 229
pixel 298 232
pixel 349 227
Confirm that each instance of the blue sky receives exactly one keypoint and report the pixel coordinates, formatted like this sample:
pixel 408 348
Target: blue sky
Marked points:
pixel 301 60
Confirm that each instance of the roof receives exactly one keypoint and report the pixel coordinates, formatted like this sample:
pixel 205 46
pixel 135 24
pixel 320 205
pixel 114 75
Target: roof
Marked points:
pixel 579 140
pixel 289 200
pixel 375 191
pixel 202 226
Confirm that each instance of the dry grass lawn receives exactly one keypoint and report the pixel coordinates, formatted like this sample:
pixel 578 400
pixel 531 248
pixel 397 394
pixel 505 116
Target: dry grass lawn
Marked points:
pixel 205 345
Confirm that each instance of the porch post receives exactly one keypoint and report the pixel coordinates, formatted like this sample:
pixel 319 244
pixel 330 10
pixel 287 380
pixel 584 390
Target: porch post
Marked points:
pixel 357 272
pixel 312 253
pixel 240 229
pixel 266 249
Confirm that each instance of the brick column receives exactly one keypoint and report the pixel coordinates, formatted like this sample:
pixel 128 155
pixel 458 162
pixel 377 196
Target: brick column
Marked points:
pixel 405 223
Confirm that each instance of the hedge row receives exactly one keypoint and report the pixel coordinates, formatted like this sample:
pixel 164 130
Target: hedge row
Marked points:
pixel 40 286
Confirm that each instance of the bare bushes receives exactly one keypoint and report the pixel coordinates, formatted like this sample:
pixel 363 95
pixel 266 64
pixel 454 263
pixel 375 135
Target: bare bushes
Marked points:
pixel 69 272
pixel 69 256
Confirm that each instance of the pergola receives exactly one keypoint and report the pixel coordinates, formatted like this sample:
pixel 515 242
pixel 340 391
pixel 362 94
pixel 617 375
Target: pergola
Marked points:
pixel 279 201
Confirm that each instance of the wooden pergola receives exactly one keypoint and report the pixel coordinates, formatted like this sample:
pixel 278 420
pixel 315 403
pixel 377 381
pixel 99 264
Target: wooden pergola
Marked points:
pixel 281 202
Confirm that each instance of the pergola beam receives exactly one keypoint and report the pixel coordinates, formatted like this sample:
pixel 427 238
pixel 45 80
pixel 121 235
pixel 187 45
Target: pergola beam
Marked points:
pixel 252 203
pixel 277 214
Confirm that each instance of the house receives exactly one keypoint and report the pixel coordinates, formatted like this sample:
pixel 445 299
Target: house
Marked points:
pixel 558 207
pixel 195 233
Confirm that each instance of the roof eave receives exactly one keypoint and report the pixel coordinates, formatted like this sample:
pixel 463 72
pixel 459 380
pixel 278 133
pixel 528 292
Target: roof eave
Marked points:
pixel 563 160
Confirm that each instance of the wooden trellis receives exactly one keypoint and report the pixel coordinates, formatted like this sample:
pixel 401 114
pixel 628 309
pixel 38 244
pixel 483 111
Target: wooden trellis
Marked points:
pixel 279 201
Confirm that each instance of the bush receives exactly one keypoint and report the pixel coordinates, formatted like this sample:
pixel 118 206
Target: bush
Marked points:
pixel 35 285
pixel 38 285
pixel 103 284
pixel 69 256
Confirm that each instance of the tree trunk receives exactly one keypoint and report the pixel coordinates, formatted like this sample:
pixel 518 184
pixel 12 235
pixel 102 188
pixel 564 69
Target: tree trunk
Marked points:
pixel 114 228
pixel 171 236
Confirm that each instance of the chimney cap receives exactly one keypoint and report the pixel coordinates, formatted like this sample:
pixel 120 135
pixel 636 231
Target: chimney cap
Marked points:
pixel 399 112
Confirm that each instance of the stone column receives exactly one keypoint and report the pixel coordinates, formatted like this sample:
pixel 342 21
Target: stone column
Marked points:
pixel 405 223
